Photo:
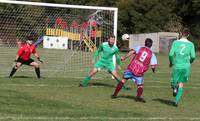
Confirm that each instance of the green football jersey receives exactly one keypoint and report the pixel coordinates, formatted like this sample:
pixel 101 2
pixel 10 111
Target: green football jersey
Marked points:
pixel 184 53
pixel 107 53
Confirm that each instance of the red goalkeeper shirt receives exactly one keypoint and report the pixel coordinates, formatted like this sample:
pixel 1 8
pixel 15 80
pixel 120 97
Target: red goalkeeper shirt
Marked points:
pixel 25 51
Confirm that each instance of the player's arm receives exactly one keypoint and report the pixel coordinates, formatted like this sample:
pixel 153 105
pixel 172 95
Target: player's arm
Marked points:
pixel 153 63
pixel 171 54
pixel 37 55
pixel 117 58
pixel 16 58
pixel 40 39
pixel 118 61
pixel 19 44
pixel 19 53
pixel 132 52
pixel 193 55
pixel 97 53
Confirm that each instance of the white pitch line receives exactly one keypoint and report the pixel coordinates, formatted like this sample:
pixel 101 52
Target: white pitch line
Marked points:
pixel 100 118
pixel 68 86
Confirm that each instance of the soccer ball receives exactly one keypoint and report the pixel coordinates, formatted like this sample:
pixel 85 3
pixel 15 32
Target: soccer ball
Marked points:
pixel 125 37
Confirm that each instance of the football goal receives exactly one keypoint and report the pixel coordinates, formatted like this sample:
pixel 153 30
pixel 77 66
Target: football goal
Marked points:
pixel 67 35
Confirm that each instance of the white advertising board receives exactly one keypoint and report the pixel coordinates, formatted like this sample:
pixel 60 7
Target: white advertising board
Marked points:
pixel 55 42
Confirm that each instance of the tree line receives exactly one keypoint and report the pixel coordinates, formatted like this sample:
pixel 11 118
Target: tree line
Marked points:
pixel 144 16
pixel 147 16
pixel 139 16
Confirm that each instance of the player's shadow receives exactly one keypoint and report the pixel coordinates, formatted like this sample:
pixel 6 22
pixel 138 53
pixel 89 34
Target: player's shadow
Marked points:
pixel 30 77
pixel 101 84
pixel 164 101
pixel 22 77
pixel 128 97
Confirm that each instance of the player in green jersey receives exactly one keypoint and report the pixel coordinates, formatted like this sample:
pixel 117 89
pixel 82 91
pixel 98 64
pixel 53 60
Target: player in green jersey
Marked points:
pixel 107 50
pixel 182 54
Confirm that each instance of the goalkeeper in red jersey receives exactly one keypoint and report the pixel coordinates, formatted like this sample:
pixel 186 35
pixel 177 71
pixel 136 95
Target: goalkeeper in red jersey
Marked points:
pixel 107 50
pixel 23 57
pixel 143 57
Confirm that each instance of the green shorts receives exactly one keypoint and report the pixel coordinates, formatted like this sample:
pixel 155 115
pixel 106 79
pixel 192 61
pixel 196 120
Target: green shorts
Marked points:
pixel 107 66
pixel 180 75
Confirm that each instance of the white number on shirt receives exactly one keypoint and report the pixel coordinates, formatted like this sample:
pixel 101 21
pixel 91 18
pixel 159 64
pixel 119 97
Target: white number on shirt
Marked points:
pixel 143 56
pixel 182 49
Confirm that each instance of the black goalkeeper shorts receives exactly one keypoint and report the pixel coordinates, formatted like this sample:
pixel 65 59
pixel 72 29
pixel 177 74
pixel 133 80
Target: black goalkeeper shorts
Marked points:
pixel 26 62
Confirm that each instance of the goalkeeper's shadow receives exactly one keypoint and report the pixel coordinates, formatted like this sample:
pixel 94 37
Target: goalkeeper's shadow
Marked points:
pixel 22 77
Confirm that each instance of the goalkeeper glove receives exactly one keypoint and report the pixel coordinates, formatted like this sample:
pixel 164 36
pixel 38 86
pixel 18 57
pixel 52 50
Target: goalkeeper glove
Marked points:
pixel 153 69
pixel 39 59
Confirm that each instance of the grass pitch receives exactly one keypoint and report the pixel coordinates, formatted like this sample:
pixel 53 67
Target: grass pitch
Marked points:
pixel 25 98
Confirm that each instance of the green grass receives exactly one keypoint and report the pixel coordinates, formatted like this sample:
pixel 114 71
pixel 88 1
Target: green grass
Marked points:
pixel 25 98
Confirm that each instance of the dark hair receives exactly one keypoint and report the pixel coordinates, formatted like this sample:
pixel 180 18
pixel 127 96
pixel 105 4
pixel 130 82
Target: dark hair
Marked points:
pixel 32 36
pixel 185 32
pixel 112 35
pixel 148 42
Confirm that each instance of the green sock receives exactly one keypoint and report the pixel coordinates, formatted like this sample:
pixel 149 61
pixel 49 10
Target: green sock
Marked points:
pixel 179 94
pixel 125 87
pixel 85 80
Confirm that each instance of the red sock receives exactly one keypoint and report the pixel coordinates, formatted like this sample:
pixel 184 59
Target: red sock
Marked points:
pixel 118 88
pixel 139 91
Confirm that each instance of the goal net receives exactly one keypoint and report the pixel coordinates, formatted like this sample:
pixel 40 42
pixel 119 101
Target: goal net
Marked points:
pixel 66 35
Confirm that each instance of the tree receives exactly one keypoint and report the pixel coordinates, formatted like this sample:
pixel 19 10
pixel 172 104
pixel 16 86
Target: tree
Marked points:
pixel 142 16
pixel 189 11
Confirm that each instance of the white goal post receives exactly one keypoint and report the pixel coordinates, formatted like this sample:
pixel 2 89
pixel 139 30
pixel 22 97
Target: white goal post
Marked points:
pixel 72 32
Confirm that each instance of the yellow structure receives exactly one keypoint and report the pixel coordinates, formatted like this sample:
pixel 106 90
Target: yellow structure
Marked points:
pixel 73 36
pixel 92 47
pixel 62 33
